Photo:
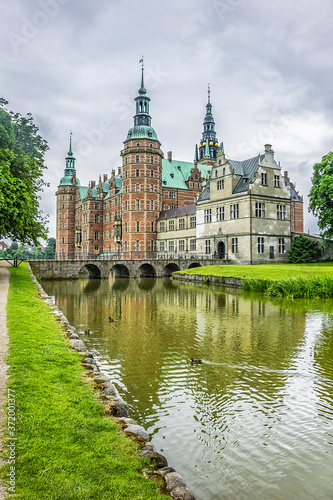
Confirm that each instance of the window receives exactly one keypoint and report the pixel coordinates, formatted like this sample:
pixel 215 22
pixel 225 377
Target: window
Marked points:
pixel 63 206
pixel 181 223
pixel 125 246
pixel 137 245
pixel 151 204
pixel 63 216
pixel 207 246
pixel 104 235
pixel 63 197
pixel 215 173
pixel 96 235
pixel 97 218
pixel 151 159
pixel 223 171
pixel 260 244
pixel 220 185
pixel 193 221
pixel 96 206
pixel 110 234
pixel 152 248
pixel 137 173
pixel 110 217
pixel 281 212
pixel 172 206
pixel 151 188
pixel 63 239
pixel 172 195
pixel 193 244
pixel 126 205
pixel 162 246
pixel 162 226
pixel 260 209
pixel 264 179
pixel 276 181
pixel 282 246
pixel 126 225
pixel 181 245
pixel 208 215
pixel 137 187
pixel 234 211
pixel 63 225
pixel 220 213
pixel 137 158
pixel 171 225
pixel 171 246
pixel 195 177
pixel 234 245
pixel 138 226
pixel 137 204
pixel 152 226
pixel 137 144
pixel 152 173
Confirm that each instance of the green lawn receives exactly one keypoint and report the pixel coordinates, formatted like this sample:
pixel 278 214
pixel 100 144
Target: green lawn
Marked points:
pixel 266 271
pixel 66 449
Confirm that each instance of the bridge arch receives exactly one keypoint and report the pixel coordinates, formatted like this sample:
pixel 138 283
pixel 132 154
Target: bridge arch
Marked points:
pixel 171 268
pixel 194 264
pixel 93 271
pixel 147 271
pixel 120 271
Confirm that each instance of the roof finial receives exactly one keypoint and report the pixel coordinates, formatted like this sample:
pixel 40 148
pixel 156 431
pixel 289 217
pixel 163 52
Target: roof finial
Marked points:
pixel 142 90
pixel 209 92
pixel 70 152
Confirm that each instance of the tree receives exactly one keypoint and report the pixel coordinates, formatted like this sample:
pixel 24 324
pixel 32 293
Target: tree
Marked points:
pixel 303 250
pixel 22 152
pixel 321 194
pixel 50 249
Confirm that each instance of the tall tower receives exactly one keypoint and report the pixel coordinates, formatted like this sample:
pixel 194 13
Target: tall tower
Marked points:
pixel 209 144
pixel 65 195
pixel 142 182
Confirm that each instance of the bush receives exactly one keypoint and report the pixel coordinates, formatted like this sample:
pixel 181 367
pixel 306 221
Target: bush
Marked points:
pixel 304 250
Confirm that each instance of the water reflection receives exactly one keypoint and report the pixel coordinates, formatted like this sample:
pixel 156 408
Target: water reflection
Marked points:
pixel 255 418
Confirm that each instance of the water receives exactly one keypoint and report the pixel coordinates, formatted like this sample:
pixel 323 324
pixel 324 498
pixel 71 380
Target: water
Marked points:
pixel 255 420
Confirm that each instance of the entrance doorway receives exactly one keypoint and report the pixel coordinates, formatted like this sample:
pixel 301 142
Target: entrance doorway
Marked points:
pixel 221 250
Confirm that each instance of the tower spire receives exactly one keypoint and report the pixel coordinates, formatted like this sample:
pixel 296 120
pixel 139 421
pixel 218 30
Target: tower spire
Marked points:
pixel 70 152
pixel 209 145
pixel 142 90
pixel 209 93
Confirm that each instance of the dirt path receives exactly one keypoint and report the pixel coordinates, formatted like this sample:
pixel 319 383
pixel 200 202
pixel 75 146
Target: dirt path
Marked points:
pixel 4 285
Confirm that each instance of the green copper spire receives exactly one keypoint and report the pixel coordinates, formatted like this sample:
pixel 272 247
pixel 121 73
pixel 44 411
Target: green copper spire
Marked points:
pixel 142 119
pixel 70 160
pixel 209 145
pixel 196 154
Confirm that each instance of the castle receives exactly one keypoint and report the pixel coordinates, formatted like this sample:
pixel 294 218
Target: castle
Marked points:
pixel 214 207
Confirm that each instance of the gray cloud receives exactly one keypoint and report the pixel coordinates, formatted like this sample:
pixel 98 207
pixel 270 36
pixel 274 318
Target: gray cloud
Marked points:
pixel 74 65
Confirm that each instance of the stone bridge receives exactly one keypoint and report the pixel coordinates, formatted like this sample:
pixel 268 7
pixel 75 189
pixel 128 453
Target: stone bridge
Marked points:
pixel 94 268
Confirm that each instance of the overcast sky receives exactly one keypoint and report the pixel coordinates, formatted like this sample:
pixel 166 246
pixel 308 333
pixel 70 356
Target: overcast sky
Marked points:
pixel 74 64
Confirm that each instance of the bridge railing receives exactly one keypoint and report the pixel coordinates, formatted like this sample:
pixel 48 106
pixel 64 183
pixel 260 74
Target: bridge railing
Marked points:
pixel 189 256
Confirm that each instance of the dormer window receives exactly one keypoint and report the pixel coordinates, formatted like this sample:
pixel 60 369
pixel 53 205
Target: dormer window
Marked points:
pixel 172 175
pixel 137 144
pixel 150 134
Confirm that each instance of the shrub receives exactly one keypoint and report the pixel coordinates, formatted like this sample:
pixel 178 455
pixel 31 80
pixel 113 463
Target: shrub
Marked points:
pixel 304 250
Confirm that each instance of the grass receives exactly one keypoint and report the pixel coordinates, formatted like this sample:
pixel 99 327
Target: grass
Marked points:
pixel 66 448
pixel 278 280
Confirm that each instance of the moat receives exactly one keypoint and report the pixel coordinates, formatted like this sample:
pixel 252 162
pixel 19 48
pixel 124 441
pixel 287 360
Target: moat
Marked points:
pixel 255 420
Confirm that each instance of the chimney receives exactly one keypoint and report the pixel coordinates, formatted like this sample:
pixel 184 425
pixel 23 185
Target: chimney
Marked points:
pixel 170 156
pixel 105 177
pixel 92 183
pixel 74 178
pixel 286 174
pixel 119 170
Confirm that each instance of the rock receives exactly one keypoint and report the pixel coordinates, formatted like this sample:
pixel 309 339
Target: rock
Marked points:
pixel 173 480
pixel 89 360
pixel 124 422
pixel 117 408
pixel 102 379
pixel 78 345
pixel 109 389
pixel 137 430
pixel 148 447
pixel 74 336
pixel 157 460
pixel 93 368
pixel 182 493
pixel 165 470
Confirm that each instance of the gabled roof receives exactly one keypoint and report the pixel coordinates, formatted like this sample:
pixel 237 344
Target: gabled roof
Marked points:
pixel 246 169
pixel 175 173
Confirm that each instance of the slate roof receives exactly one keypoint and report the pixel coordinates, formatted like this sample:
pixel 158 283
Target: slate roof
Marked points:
pixel 246 169
pixel 178 212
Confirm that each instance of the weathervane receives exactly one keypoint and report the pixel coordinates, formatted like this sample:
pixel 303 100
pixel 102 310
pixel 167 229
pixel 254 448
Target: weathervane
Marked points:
pixel 141 61
pixel 209 92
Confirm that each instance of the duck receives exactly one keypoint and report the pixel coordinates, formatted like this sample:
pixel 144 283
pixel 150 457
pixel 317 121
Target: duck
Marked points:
pixel 111 320
pixel 196 361
pixel 87 332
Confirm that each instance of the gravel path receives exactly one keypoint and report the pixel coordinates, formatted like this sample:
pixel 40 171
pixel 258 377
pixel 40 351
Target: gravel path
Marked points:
pixel 4 285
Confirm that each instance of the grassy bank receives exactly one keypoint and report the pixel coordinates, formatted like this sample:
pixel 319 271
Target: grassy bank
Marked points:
pixel 65 448
pixel 278 280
